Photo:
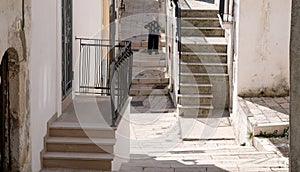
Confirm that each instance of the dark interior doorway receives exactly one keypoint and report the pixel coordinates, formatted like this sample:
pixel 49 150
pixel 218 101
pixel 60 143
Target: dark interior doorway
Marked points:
pixel 4 113
pixel 67 42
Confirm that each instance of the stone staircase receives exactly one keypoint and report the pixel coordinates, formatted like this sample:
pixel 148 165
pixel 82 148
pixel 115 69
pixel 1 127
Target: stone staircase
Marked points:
pixel 81 138
pixel 72 146
pixel 204 83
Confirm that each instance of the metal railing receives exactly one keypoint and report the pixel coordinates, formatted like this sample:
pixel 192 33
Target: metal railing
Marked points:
pixel 178 18
pixel 121 76
pixel 226 10
pixel 106 70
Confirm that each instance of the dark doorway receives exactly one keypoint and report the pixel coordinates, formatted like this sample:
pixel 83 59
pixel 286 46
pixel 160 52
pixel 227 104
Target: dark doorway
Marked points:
pixel 4 114
pixel 67 42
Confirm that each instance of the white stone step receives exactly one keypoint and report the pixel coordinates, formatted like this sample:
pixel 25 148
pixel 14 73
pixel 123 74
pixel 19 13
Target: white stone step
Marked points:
pixel 197 13
pixel 85 145
pixel 203 78
pixel 194 111
pixel 195 99
pixel 72 129
pixel 200 22
pixel 203 67
pixel 198 57
pixel 195 88
pixel 92 161
pixel 202 31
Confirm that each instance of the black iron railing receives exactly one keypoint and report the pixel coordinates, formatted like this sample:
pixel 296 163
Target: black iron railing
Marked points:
pixel 121 75
pixel 178 18
pixel 106 70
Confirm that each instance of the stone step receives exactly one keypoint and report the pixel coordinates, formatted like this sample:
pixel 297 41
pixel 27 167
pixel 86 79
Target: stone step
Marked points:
pixel 197 13
pixel 195 99
pixel 194 111
pixel 89 161
pixel 138 80
pixel 204 48
pixel 72 129
pixel 195 88
pixel 203 67
pixel 200 22
pixel 147 92
pixel 140 70
pixel 202 78
pixel 194 57
pixel 203 31
pixel 152 63
pixel 68 170
pixel 84 145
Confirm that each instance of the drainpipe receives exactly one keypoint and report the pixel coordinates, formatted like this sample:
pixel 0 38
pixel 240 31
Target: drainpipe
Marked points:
pixel 113 24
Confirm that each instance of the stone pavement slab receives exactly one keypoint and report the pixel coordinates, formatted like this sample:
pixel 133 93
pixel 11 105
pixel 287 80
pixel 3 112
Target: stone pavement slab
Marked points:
pixel 267 114
pixel 206 129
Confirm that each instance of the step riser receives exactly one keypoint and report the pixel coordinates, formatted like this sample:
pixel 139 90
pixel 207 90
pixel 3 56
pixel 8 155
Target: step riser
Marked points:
pixel 195 90
pixel 104 165
pixel 204 79
pixel 150 81
pixel 203 32
pixel 195 112
pixel 81 148
pixel 200 23
pixel 81 133
pixel 204 48
pixel 204 59
pixel 149 64
pixel 148 92
pixel 197 13
pixel 203 69
pixel 195 101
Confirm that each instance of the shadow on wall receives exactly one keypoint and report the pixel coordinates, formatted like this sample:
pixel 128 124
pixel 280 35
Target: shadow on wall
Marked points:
pixel 208 1
pixel 139 162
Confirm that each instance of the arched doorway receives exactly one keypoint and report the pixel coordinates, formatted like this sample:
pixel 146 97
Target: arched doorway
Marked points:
pixel 14 113
pixel 4 114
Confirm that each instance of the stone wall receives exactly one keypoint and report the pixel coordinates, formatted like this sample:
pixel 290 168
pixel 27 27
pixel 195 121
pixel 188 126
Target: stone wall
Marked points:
pixel 15 26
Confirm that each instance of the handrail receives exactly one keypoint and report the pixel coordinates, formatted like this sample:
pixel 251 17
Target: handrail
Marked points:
pixel 121 75
pixel 98 74
pixel 178 18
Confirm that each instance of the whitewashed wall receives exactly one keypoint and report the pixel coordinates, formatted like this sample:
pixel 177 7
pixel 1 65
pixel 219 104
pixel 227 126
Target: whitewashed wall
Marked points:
pixel 262 47
pixel 87 23
pixel 42 68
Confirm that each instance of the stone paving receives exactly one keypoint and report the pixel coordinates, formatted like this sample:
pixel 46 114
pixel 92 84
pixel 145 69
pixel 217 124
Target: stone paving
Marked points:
pixel 267 114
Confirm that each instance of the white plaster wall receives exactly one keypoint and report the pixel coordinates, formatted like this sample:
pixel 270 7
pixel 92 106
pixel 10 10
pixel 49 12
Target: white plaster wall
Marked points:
pixel 87 23
pixel 42 67
pixel 122 146
pixel 262 46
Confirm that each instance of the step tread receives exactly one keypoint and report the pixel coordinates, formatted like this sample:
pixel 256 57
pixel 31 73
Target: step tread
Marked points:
pixel 201 27
pixel 73 140
pixel 195 85
pixel 195 106
pixel 200 18
pixel 203 40
pixel 204 74
pixel 204 54
pixel 83 156
pixel 74 125
pixel 196 95
pixel 204 64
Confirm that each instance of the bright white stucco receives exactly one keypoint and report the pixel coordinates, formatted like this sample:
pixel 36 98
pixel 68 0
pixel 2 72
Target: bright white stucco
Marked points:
pixel 43 66
pixel 87 23
pixel 262 46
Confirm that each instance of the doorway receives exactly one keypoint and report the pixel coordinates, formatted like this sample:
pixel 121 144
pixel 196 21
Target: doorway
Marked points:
pixel 67 45
pixel 4 114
